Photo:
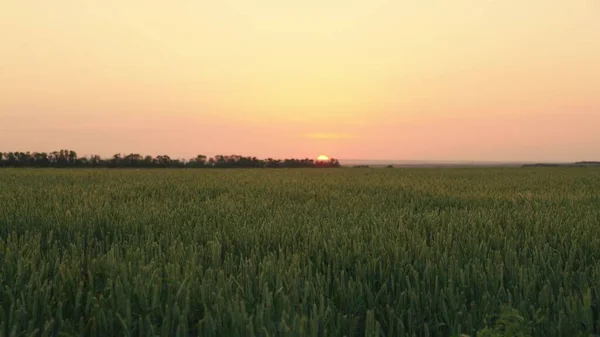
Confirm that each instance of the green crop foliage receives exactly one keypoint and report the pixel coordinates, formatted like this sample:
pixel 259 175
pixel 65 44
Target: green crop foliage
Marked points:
pixel 299 252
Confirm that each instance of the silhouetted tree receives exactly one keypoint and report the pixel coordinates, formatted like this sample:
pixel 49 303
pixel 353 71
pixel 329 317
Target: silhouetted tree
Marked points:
pixel 148 161
pixel 71 157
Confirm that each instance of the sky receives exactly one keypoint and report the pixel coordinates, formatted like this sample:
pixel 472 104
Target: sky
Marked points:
pixel 479 80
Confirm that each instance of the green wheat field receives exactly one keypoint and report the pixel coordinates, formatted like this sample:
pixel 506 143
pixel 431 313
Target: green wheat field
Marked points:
pixel 300 252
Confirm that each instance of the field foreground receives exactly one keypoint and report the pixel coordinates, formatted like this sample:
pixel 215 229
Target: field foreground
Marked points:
pixel 307 252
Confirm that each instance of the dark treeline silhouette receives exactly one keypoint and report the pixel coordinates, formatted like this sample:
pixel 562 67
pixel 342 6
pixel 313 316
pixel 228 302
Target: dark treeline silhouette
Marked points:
pixel 69 159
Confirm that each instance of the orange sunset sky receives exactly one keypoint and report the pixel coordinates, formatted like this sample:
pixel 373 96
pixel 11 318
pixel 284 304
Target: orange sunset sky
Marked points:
pixel 483 80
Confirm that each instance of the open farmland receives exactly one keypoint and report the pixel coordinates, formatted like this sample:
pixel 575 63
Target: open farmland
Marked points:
pixel 298 252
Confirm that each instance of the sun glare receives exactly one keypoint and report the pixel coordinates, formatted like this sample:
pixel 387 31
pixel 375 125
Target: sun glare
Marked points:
pixel 322 158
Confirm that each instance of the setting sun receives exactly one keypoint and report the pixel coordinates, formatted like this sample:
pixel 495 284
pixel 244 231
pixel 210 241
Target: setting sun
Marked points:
pixel 322 158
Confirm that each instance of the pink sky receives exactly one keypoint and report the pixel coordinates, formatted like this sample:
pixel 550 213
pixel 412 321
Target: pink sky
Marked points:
pixel 427 80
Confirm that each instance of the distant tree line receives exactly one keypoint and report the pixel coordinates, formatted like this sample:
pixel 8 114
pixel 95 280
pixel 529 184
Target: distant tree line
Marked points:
pixel 70 159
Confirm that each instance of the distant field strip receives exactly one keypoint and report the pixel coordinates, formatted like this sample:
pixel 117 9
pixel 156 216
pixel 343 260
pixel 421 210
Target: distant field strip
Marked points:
pixel 298 252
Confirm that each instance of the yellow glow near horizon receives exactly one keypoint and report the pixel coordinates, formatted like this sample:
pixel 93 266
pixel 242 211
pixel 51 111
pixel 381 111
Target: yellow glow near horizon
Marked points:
pixel 464 79
pixel 322 158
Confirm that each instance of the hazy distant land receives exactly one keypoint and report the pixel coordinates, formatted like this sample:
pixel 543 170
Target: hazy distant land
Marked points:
pixel 441 163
